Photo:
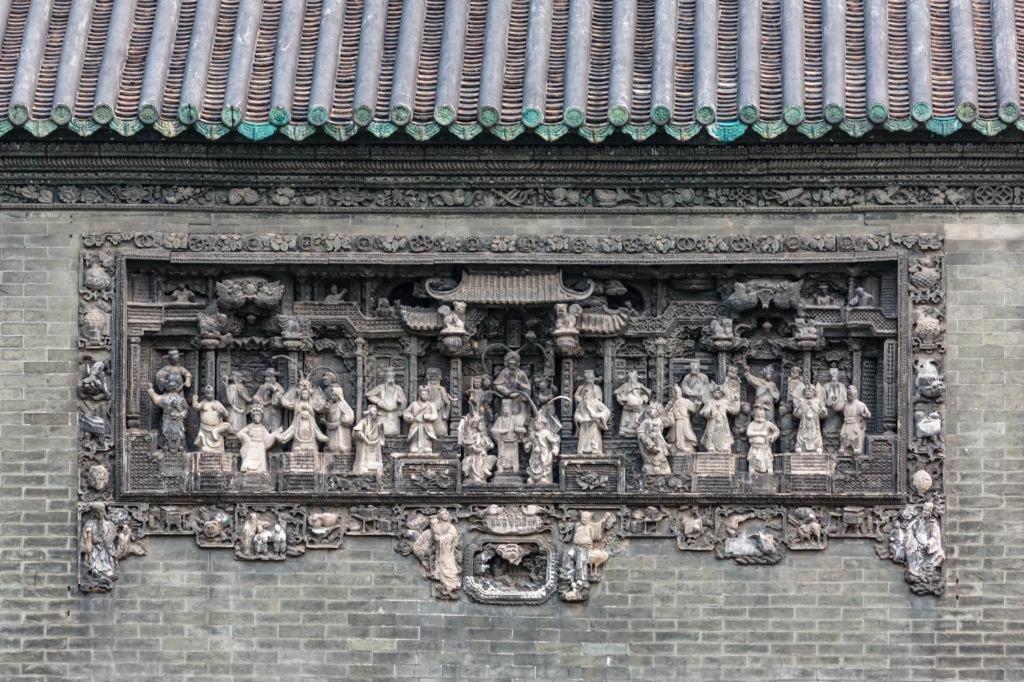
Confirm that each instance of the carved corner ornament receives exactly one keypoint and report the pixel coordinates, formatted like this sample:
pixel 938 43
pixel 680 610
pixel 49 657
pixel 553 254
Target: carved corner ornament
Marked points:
pixel 512 411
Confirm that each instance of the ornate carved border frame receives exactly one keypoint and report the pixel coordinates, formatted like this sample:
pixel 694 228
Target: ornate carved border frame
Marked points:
pixel 115 524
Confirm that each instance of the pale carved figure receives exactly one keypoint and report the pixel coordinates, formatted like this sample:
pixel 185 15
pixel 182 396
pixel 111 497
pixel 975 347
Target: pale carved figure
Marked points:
pixel 795 385
pixel 591 416
pixel 268 396
pixel 833 394
pixel 182 294
pixel 338 418
pixel 566 318
pixel 303 433
pixel 508 432
pixel 545 395
pixel 761 435
pixel 717 411
pixel 823 296
pixel 721 328
pixel 174 410
pixel 421 416
pixel 916 540
pixel 766 393
pixel 212 426
pixel 442 401
pixel 681 438
pixel 173 368
pixel 584 560
pixel 368 435
pixel 390 399
pixel 438 549
pixel 477 395
pixel 255 439
pixel 454 318
pixel 633 396
pixel 514 384
pixel 477 461
pixel 861 298
pixel 695 384
pixel 543 444
pixel 238 401
pixel 335 295
pixel 733 385
pixel 809 413
pixel 653 446
pixel 855 426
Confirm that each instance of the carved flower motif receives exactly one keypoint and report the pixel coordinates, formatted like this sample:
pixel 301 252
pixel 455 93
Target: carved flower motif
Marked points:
pixel 448 244
pixel 847 244
pixel 134 194
pixel 661 244
pixel 145 240
pixel 472 244
pixel 243 196
pixel 198 242
pixel 503 244
pixel 421 243
pixel 557 244
pixel 793 243
pixel 91 195
pixel 392 243
pixel 337 242
pixel 677 197
pixel 740 244
pixel 578 245
pixel 610 244
pixel 67 194
pixel 282 242
pixel 347 197
pixel 252 243
pixel 526 244
pixel 685 244
pixel 282 196
pixel 561 196
pixel 363 243
pixel 306 243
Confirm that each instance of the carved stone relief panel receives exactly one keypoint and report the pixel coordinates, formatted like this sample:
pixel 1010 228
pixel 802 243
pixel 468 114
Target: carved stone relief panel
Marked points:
pixel 512 410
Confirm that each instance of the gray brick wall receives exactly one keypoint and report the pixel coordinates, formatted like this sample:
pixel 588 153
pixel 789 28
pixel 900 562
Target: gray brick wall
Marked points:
pixel 365 613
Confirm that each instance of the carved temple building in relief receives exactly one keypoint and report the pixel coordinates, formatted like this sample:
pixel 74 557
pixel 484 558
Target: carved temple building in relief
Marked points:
pixel 513 411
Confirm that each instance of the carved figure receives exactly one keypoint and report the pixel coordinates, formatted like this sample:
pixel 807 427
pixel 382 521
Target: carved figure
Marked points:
pixel 721 328
pixel 439 550
pixel 279 539
pixel 861 298
pixel 215 327
pixel 94 322
pixel 94 406
pixel 173 368
pixel 718 434
pixel 338 418
pixel 174 409
pixel 809 412
pixel 766 393
pixel 761 435
pixel 441 400
pixel 238 400
pixel 514 384
pixel 929 424
pixel 303 433
pixel 368 435
pixel 928 380
pixel 477 461
pixel 390 399
pixel 508 432
pixel 97 477
pixel 454 318
pixel 249 541
pixel 255 439
pixel 795 385
pixel 695 384
pixel 653 447
pixel 182 294
pixel 835 398
pixel 545 396
pixel 212 426
pixel 823 296
pixel 732 384
pixel 268 396
pixel 421 416
pixel 587 555
pixel 97 545
pixel 566 333
pixel 916 540
pixel 855 426
pixel 543 444
pixel 633 396
pixel 681 438
pixel 335 295
pixel 787 427
pixel 591 416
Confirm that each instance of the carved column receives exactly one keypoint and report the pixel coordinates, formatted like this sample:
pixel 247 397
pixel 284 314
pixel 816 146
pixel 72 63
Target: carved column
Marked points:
pixel 609 389
pixel 889 374
pixel 565 406
pixel 856 347
pixel 661 367
pixel 808 369
pixel 411 347
pixel 134 370
pixel 455 391
pixel 362 352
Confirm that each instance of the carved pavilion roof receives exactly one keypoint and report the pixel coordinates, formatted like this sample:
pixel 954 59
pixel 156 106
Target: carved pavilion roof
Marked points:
pixel 490 288
pixel 555 67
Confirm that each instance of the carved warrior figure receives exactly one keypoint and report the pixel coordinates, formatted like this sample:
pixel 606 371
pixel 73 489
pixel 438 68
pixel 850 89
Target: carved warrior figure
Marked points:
pixel 477 461
pixel 718 434
pixel 390 399
pixel 508 432
pixel 421 416
pixel 761 435
pixel 833 394
pixel 653 447
pixel 368 435
pixel 916 540
pixel 543 443
pixel 268 396
pixel 256 438
pixel 238 400
pixel 809 412
pixel 174 409
pixel 173 368
pixel 212 426
pixel 633 396
pixel 94 406
pixel 681 438
pixel 438 549
pixel 695 384
pixel 303 433
pixel 766 393
pixel 442 402
pixel 855 427
pixel 583 561
pixel 591 416
pixel 514 384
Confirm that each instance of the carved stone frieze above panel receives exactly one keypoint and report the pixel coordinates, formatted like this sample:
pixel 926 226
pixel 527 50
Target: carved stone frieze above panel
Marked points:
pixel 513 411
